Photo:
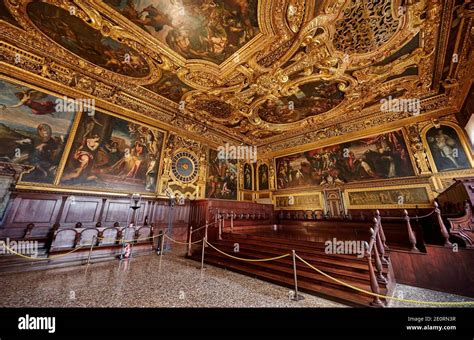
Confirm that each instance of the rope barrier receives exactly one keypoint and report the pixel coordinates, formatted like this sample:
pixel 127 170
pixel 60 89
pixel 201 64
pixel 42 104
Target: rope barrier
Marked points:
pixel 178 242
pixel 436 303
pixel 248 260
pixel 411 218
pixel 41 259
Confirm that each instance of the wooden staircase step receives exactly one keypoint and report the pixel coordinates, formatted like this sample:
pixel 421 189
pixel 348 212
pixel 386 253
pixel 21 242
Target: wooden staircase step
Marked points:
pixel 339 271
pixel 314 254
pixel 283 243
pixel 347 268
pixel 328 291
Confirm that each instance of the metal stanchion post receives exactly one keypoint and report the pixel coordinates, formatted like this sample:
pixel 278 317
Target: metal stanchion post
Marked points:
pixel 231 221
pixel 202 255
pixel 190 240
pixel 90 250
pixel 162 243
pixel 205 232
pixel 221 220
pixel 296 297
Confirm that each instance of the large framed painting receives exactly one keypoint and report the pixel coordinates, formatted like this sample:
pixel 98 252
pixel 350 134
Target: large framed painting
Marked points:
pixel 446 149
pixel 33 130
pixel 114 154
pixel 377 157
pixel 263 177
pixel 221 177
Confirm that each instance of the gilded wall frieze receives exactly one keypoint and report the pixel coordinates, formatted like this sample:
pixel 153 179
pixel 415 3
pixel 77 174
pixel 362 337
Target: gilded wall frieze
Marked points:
pixel 290 77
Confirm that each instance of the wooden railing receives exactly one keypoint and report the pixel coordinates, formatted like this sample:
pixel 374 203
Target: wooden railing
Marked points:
pixel 375 254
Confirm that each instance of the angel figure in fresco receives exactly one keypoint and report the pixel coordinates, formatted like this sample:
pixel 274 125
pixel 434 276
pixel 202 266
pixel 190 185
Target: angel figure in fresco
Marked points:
pixel 31 98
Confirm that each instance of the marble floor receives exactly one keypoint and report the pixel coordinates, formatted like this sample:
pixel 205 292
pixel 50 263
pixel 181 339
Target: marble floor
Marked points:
pixel 172 281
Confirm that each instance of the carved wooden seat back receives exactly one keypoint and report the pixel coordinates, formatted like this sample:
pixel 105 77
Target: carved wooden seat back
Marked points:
pixel 109 236
pixel 143 234
pixel 87 235
pixel 64 238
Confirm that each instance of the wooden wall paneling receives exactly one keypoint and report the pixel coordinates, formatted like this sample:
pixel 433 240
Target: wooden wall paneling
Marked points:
pixel 40 209
pixel 439 269
pixel 84 209
pixel 116 210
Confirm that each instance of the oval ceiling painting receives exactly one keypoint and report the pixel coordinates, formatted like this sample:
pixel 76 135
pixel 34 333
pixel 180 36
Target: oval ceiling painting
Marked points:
pixel 78 37
pixel 311 99
pixel 195 29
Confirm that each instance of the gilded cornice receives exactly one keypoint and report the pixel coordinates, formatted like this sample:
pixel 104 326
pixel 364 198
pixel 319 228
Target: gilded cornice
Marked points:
pixel 293 47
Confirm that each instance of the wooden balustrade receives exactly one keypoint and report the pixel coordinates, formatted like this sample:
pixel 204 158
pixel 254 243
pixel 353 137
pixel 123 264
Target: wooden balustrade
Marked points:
pixel 372 253
pixel 411 234
pixel 442 227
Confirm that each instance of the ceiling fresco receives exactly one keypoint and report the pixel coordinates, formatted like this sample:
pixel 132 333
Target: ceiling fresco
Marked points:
pixel 195 29
pixel 274 73
pixel 310 99
pixel 77 36
pixel 170 87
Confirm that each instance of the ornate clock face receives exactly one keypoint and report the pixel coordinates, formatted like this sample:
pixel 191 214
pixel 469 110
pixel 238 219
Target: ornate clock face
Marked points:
pixel 185 167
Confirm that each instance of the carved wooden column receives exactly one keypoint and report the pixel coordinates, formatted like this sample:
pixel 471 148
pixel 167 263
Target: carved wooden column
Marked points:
pixel 9 175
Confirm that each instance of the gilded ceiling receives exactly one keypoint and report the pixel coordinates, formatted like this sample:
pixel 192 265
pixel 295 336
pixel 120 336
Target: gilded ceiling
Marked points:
pixel 267 72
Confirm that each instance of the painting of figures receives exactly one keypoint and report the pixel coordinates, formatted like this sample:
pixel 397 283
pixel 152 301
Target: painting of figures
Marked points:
pixel 32 132
pixel 221 178
pixel 170 87
pixel 446 149
pixel 248 185
pixel 377 157
pixel 75 35
pixel 389 197
pixel 196 29
pixel 311 99
pixel 112 153
pixel 263 177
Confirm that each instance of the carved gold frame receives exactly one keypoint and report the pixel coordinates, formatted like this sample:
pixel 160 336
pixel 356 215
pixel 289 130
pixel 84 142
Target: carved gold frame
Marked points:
pixel 68 146
pixel 427 187
pixel 347 140
pixel 462 138
pixel 319 194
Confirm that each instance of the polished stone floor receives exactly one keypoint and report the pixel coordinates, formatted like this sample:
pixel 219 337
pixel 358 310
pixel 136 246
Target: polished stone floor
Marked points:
pixel 172 281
